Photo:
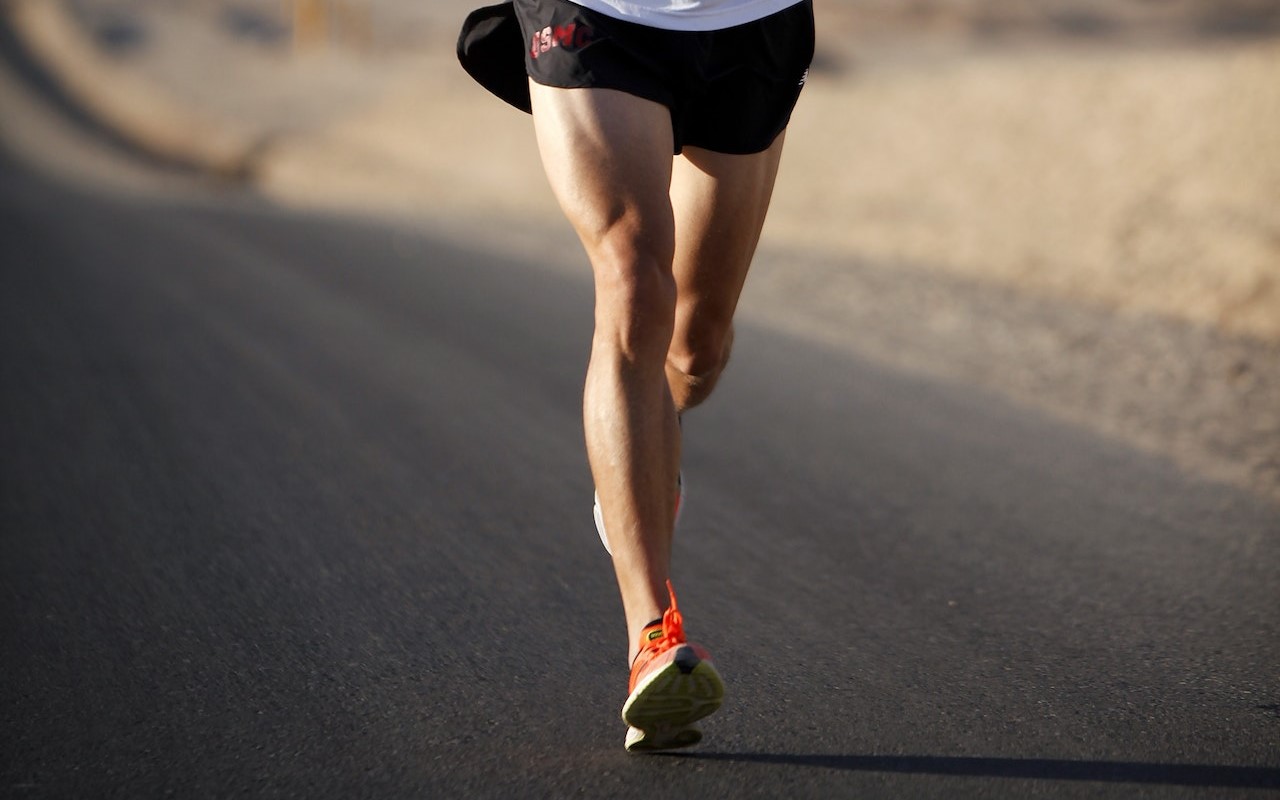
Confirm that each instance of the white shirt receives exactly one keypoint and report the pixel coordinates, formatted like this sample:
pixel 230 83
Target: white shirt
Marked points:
pixel 688 15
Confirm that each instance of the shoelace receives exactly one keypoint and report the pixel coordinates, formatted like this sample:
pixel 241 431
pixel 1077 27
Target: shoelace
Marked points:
pixel 672 627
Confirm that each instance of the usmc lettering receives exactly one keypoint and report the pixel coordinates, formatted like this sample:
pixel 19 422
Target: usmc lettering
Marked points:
pixel 571 36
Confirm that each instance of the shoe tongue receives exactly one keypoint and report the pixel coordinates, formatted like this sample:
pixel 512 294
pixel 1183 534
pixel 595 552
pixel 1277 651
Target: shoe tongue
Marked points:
pixel 651 633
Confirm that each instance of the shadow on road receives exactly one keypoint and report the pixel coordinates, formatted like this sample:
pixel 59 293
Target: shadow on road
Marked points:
pixel 1195 775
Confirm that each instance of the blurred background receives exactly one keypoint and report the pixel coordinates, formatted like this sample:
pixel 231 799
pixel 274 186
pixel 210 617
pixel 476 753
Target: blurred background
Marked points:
pixel 1127 152
pixel 1075 202
pixel 292 340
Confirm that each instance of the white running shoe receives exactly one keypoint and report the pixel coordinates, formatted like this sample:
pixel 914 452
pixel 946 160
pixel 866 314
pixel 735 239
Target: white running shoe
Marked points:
pixel 604 539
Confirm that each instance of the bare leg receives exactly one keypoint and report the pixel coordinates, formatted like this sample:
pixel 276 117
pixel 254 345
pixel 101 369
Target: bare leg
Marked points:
pixel 669 247
pixel 608 158
pixel 720 202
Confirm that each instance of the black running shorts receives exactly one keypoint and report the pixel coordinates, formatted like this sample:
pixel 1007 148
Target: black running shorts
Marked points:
pixel 731 90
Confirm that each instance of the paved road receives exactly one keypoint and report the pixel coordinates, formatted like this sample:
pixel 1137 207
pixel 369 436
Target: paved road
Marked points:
pixel 297 507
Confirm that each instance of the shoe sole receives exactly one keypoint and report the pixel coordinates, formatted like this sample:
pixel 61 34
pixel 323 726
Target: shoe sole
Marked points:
pixel 640 742
pixel 662 708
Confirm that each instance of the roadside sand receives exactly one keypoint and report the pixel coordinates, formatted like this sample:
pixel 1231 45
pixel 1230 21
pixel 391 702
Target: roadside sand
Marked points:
pixel 1139 174
pixel 1090 224
pixel 1140 179
pixel 1145 179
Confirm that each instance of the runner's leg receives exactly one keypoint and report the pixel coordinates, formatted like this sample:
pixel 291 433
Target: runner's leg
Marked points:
pixel 719 203
pixel 607 155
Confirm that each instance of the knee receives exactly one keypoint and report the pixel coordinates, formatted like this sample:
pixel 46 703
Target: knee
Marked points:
pixel 635 302
pixel 694 367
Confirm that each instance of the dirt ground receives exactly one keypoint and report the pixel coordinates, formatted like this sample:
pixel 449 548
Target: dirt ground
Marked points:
pixel 1118 153
pixel 1074 202
pixel 1147 179
pixel 1124 152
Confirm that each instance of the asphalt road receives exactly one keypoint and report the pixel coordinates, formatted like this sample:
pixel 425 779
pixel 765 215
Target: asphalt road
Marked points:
pixel 297 507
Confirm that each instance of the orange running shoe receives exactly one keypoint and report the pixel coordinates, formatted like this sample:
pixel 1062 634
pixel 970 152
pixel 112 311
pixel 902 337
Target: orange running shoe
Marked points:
pixel 673 685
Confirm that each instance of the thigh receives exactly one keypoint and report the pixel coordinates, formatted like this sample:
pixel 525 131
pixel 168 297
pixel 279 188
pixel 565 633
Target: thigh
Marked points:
pixel 607 155
pixel 720 202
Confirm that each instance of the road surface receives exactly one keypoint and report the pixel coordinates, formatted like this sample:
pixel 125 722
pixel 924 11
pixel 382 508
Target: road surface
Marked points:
pixel 297 506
